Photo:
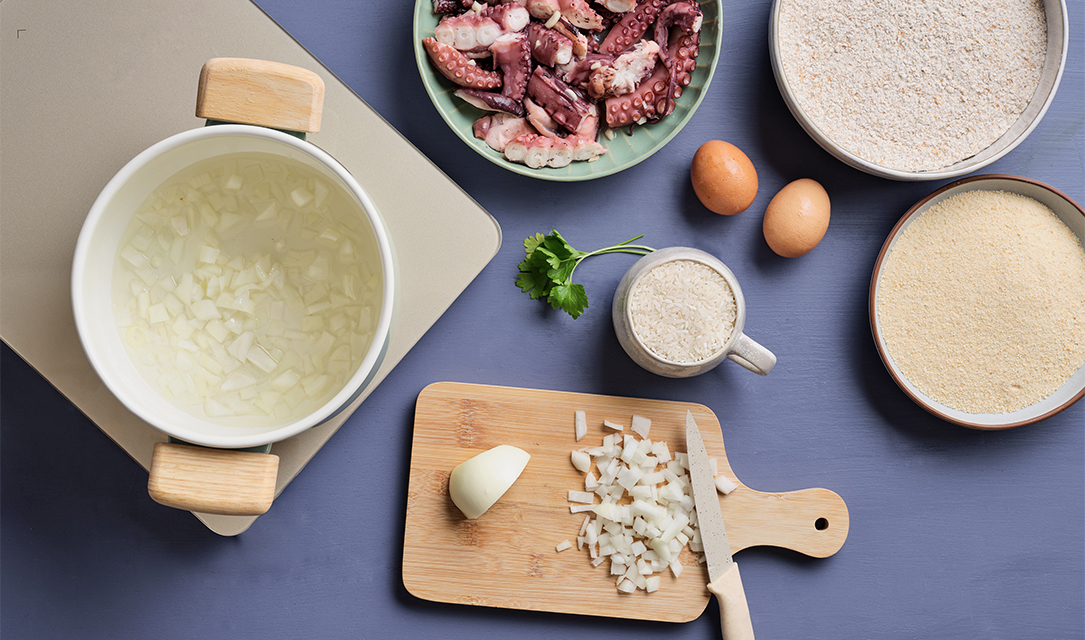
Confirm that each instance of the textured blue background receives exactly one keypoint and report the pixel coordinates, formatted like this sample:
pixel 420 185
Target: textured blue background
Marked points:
pixel 954 533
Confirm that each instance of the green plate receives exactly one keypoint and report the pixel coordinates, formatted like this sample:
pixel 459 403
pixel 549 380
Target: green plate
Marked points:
pixel 625 150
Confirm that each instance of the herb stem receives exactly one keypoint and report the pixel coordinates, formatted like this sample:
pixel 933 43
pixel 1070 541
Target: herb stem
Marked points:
pixel 633 248
pixel 621 247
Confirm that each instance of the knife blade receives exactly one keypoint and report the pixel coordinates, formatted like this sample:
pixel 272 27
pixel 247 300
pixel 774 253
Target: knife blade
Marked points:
pixel 724 579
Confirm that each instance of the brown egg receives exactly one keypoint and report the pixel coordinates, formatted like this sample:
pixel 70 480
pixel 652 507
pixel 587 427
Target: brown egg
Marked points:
pixel 796 219
pixel 723 177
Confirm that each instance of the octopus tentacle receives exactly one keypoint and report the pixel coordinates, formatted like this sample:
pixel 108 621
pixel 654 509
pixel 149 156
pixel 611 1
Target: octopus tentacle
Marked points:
pixel 448 6
pixel 580 14
pixel 632 26
pixel 683 55
pixel 498 129
pixel 617 6
pixel 512 56
pixel 549 47
pixel 530 149
pixel 644 104
pixel 511 16
pixel 543 9
pixel 458 68
pixel 540 119
pixel 584 147
pixel 490 101
pixel 561 101
pixel 685 17
pixel 589 124
pixel 578 72
pixel 581 44
pixel 538 151
pixel 626 71
pixel 467 31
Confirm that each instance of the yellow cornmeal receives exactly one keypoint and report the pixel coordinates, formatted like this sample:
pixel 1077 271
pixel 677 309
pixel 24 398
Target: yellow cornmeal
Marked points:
pixel 981 302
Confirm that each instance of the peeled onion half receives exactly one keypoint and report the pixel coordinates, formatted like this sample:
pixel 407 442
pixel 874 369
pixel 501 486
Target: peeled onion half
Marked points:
pixel 476 484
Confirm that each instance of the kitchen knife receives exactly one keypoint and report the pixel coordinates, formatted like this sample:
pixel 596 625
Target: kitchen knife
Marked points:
pixel 724 579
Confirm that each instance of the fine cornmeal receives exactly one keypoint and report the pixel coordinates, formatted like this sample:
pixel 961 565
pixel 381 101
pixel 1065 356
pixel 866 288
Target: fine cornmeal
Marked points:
pixel 981 302
pixel 913 85
pixel 683 311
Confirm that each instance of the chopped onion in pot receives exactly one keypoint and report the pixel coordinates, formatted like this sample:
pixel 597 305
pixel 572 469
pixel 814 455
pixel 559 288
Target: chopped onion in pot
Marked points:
pixel 245 289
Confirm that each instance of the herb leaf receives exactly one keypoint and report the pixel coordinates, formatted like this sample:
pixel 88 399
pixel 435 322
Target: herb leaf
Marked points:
pixel 547 270
pixel 570 297
pixel 532 281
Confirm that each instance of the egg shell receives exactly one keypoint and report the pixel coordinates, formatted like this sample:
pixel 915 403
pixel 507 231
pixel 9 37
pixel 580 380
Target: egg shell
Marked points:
pixel 723 177
pixel 797 218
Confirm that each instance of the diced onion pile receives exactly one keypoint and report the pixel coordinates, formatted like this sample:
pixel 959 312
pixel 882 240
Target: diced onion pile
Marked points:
pixel 645 515
pixel 246 286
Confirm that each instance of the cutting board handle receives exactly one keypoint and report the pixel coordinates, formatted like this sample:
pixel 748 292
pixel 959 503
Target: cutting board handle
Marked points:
pixel 811 521
pixel 260 92
pixel 205 480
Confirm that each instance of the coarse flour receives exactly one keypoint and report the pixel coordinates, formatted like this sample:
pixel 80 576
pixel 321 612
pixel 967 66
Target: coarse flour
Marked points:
pixel 913 85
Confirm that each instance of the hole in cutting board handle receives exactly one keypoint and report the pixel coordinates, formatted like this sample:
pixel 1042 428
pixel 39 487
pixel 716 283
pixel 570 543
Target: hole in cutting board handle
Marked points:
pixel 821 524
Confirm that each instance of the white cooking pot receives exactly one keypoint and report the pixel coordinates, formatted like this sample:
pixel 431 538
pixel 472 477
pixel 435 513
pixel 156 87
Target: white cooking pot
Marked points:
pixel 272 95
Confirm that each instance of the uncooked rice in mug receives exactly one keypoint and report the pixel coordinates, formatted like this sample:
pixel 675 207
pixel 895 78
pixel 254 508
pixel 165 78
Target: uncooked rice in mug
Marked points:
pixel 981 302
pixel 683 311
pixel 913 85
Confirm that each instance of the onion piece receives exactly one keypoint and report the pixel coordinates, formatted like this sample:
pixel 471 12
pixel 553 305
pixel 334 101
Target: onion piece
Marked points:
pixel 725 485
pixel 581 461
pixel 580 425
pixel 646 516
pixel 640 425
pixel 476 484
pixel 582 497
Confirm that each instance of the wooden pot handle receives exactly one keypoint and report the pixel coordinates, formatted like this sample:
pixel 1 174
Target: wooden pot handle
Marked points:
pixel 259 92
pixel 221 481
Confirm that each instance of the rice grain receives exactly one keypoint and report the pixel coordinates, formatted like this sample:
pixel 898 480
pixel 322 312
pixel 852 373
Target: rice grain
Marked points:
pixel 683 311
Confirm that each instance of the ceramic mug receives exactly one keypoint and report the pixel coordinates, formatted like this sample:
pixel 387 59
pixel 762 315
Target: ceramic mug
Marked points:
pixel 739 347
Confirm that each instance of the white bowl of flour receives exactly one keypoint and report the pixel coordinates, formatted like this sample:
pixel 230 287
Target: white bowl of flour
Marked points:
pixel 918 89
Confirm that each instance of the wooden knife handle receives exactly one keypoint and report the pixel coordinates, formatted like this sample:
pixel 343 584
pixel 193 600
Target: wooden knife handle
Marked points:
pixel 734 610
pixel 811 521
pixel 268 94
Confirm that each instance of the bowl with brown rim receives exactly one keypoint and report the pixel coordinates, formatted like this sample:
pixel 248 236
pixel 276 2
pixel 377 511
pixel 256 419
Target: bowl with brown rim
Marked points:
pixel 1070 391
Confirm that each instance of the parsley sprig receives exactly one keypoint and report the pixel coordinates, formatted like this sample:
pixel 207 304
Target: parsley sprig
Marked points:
pixel 547 271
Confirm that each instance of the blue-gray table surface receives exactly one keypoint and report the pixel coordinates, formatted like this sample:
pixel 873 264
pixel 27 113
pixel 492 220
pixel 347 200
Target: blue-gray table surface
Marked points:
pixel 954 533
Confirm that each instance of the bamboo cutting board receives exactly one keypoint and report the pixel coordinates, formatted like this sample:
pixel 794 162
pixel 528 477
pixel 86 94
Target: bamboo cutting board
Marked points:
pixel 507 557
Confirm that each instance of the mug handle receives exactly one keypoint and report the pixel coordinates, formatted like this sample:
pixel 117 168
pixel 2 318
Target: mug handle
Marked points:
pixel 748 353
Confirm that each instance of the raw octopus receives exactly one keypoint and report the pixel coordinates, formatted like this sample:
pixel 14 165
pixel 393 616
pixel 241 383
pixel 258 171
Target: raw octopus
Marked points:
pixel 549 72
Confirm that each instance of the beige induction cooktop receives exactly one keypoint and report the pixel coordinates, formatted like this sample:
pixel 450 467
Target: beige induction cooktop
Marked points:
pixel 86 87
